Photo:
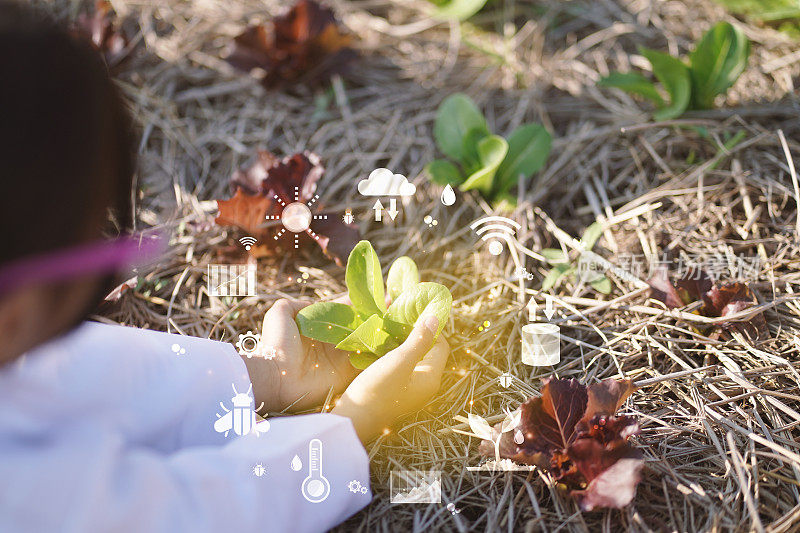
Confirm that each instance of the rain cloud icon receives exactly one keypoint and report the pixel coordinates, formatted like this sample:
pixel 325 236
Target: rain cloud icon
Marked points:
pixel 383 182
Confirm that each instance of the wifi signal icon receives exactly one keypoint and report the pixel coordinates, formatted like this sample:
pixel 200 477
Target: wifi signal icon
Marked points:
pixel 247 242
pixel 495 230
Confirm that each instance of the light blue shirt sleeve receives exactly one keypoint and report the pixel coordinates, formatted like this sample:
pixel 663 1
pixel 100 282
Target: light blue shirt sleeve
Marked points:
pixel 109 429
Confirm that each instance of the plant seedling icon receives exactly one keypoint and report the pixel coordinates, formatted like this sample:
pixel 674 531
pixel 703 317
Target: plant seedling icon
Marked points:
pixel 482 429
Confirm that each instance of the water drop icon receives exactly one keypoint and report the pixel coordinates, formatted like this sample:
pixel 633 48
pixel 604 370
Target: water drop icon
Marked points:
pixel 518 437
pixel 297 464
pixel 448 195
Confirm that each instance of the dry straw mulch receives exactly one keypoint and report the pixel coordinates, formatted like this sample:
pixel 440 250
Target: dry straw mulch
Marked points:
pixel 720 443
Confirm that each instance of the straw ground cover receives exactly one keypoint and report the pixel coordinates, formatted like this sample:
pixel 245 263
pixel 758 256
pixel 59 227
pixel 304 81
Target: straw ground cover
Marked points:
pixel 720 442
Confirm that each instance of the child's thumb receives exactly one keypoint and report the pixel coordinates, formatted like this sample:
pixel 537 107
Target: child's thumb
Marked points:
pixel 418 343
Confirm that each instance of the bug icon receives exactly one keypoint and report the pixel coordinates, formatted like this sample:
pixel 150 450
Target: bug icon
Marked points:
pixel 242 418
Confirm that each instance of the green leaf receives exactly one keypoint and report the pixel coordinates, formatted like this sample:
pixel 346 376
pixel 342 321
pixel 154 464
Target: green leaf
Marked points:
pixel 602 285
pixel 634 84
pixel 454 119
pixel 528 149
pixel 552 278
pixel 554 256
pixel 403 274
pixel 398 330
pixel 717 61
pixel 371 336
pixel 443 172
pixel 459 9
pixel 362 360
pixel 726 147
pixel 472 157
pixel 492 150
pixel 555 275
pixel 365 280
pixel 590 235
pixel 764 10
pixel 674 76
pixel 504 202
pixel 329 322
pixel 420 300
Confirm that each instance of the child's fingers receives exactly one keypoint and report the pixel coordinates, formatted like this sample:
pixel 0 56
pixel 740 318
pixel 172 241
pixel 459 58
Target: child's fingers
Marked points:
pixel 408 354
pixel 279 319
pixel 292 306
pixel 434 361
pixel 284 308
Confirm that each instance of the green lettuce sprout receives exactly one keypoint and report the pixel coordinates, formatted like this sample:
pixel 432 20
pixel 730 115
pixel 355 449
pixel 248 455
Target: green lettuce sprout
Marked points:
pixel 368 329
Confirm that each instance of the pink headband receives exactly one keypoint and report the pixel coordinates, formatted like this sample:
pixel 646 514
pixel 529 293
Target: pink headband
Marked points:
pixel 93 258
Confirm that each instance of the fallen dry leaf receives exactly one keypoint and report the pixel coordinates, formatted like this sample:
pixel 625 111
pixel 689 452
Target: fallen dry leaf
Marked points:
pixel 336 238
pixel 572 432
pixel 245 211
pixel 303 46
pixel 729 298
pixel 104 32
pixel 121 289
pixel 265 187
pixel 719 300
pixel 681 292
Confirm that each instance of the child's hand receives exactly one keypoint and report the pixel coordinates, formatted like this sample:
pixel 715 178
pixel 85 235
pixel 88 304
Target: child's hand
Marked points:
pixel 303 370
pixel 400 382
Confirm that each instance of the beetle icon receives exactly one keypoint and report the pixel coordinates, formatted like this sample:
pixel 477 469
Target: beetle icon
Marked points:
pixel 242 418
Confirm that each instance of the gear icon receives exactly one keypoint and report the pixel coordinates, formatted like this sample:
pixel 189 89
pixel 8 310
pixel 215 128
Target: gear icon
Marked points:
pixel 269 352
pixel 248 344
pixel 355 487
pixel 363 489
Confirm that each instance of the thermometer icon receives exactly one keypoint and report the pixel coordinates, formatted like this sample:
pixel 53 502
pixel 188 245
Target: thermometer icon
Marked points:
pixel 316 487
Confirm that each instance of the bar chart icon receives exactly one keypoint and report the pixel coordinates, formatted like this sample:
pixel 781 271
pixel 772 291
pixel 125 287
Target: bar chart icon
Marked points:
pixel 232 280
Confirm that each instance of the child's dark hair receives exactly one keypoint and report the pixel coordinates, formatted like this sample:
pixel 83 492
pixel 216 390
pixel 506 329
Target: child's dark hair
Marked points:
pixel 67 152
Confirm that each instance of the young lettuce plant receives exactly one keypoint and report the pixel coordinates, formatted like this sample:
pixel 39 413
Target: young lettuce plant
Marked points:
pixel 562 267
pixel 719 58
pixel 477 158
pixel 457 9
pixel 368 329
pixel 783 15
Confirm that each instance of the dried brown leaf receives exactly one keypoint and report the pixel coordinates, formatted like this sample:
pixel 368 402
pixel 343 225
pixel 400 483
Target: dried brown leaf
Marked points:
pixel 264 188
pixel 303 46
pixel 719 299
pixel 104 32
pixel 245 211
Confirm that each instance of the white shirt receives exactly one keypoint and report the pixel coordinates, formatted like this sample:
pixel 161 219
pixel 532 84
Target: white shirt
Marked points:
pixel 108 429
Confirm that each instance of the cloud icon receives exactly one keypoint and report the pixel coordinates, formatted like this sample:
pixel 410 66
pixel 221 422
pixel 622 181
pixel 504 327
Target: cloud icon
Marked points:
pixel 382 182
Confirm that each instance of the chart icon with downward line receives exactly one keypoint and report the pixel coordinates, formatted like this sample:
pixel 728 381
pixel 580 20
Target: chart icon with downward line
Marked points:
pixel 232 280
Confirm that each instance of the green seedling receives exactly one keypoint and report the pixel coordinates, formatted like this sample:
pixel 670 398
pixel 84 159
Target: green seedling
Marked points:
pixel 729 142
pixel 564 268
pixel 368 329
pixel 717 61
pixel 457 9
pixel 479 160
pixel 783 15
